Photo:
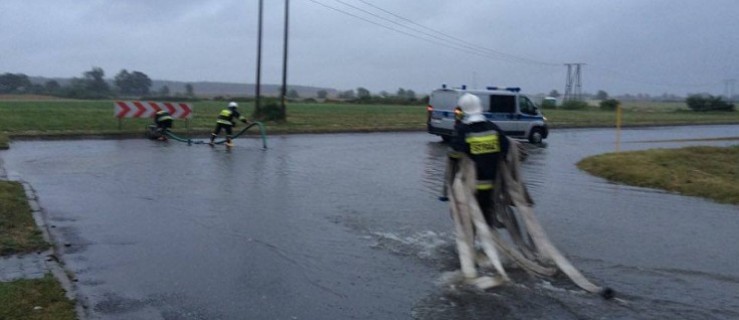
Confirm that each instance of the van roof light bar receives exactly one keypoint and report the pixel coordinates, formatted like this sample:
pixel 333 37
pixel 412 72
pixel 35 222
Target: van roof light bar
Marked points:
pixel 511 89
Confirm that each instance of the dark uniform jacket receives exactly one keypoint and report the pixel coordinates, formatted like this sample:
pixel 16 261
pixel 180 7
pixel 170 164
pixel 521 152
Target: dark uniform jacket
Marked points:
pixel 227 116
pixel 163 117
pixel 486 144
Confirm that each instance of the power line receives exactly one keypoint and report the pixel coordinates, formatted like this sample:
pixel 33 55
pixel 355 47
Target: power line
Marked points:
pixel 409 21
pixel 449 41
pixel 640 79
pixel 443 36
pixel 428 37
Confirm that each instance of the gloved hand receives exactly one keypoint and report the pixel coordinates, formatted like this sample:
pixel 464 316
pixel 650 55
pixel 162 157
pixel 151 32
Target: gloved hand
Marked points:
pixel 443 198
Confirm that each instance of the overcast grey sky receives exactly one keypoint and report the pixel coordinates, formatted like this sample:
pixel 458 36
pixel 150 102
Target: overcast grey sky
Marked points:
pixel 628 46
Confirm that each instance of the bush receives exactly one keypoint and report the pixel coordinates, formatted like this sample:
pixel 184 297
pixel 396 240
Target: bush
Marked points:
pixel 549 104
pixel 574 105
pixel 609 104
pixel 270 110
pixel 708 103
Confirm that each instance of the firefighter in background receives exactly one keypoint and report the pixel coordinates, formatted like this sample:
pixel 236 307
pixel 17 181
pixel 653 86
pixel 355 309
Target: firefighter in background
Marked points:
pixel 486 144
pixel 225 121
pixel 163 121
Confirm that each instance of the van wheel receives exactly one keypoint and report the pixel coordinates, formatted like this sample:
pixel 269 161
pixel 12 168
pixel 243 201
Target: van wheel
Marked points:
pixel 446 138
pixel 536 135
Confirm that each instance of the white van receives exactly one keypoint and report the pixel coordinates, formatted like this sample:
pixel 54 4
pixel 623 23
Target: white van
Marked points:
pixel 513 112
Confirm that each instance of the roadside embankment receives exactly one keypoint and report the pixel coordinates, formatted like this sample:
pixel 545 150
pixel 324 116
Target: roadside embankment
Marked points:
pixel 709 172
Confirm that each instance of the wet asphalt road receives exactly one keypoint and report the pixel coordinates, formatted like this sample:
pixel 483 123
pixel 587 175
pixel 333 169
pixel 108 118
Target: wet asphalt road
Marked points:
pixel 348 227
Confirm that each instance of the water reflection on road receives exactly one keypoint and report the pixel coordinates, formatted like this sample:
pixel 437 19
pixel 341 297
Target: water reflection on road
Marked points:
pixel 348 226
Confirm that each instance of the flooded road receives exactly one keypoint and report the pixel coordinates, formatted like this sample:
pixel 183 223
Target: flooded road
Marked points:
pixel 348 227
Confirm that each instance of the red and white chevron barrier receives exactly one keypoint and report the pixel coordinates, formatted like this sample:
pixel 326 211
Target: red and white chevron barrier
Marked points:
pixel 147 109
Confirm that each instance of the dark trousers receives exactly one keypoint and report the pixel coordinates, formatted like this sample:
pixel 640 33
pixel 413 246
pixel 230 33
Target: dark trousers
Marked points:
pixel 219 127
pixel 485 201
pixel 165 124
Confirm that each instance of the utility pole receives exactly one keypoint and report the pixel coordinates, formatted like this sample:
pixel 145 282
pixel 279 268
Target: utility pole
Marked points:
pixel 283 112
pixel 257 108
pixel 573 86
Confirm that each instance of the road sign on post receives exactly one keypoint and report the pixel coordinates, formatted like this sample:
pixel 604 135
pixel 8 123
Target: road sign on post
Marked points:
pixel 147 109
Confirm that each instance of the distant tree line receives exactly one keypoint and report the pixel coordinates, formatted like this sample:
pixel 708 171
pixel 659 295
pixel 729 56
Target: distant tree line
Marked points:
pixel 92 85
pixel 364 96
pixel 697 102
pixel 665 97
pixel 136 84
pixel 360 95
pixel 708 103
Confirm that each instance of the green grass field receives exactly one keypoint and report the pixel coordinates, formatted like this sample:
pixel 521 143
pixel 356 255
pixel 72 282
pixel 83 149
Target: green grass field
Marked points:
pixel 635 113
pixel 60 118
pixel 71 118
pixel 96 117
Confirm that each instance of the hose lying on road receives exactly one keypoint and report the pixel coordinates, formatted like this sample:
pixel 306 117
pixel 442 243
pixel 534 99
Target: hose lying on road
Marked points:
pixel 189 141
pixel 529 247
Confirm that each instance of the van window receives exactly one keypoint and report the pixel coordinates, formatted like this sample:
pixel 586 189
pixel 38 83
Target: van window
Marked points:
pixel 444 100
pixel 527 107
pixel 503 104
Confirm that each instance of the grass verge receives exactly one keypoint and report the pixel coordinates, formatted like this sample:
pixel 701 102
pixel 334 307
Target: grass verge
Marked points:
pixel 4 141
pixel 18 230
pixel 27 298
pixel 37 299
pixel 709 172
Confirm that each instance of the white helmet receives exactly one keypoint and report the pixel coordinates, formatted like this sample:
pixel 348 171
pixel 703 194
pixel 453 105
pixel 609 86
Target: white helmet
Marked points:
pixel 233 105
pixel 472 108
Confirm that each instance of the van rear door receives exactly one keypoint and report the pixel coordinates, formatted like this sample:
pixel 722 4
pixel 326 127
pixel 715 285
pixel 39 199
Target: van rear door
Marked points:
pixel 442 118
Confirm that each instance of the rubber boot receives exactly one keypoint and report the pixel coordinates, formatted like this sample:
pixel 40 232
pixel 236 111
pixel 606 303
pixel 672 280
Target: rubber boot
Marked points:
pixel 229 144
pixel 212 139
pixel 162 136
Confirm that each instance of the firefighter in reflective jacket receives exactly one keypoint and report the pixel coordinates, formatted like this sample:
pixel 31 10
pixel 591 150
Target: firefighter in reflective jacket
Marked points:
pixel 225 122
pixel 486 144
pixel 163 120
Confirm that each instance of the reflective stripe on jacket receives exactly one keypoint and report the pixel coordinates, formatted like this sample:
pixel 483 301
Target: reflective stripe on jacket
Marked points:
pixel 162 115
pixel 484 185
pixel 225 117
pixel 486 144
pixel 483 142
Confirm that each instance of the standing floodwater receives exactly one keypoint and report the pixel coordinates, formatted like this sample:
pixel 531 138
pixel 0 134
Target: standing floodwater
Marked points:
pixel 348 227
